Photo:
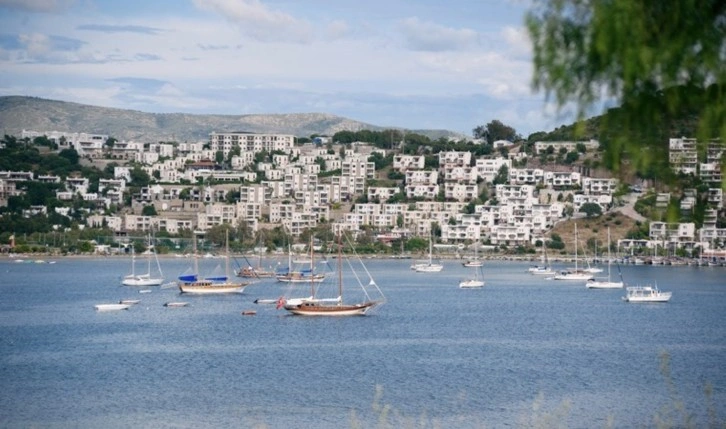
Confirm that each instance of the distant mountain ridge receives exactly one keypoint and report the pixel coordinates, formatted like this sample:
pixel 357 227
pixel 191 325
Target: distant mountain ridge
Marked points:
pixel 19 113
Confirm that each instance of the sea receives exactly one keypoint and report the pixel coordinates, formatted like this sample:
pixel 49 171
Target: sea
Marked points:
pixel 523 351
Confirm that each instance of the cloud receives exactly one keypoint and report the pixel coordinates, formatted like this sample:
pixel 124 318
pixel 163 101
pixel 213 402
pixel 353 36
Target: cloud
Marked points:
pixel 43 6
pixel 139 83
pixel 120 29
pixel 337 30
pixel 518 39
pixel 255 20
pixel 427 36
pixel 40 47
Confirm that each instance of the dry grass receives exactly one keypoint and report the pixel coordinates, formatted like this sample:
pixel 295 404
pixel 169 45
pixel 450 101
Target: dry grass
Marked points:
pixel 596 228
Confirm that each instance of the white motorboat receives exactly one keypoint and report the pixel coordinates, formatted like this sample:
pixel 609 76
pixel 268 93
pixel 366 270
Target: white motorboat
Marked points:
pixel 176 304
pixel 646 294
pixel 130 301
pixel 111 307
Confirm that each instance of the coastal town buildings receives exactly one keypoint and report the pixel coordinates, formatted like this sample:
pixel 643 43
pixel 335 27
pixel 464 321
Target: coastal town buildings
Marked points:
pixel 272 180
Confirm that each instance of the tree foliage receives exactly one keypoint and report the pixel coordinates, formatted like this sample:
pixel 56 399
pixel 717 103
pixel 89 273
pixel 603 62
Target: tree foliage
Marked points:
pixel 496 130
pixel 658 61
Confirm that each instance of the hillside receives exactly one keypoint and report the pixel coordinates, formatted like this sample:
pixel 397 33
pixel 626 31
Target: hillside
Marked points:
pixel 18 113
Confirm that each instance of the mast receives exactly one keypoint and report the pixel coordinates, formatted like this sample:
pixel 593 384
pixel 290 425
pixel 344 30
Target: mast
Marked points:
pixel 194 253
pixel 312 269
pixel 148 257
pixel 608 254
pixel 340 266
pixel 576 247
pixel 226 253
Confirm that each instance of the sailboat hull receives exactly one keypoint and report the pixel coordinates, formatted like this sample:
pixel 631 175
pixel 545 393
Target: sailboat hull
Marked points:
pixel 321 309
pixel 595 284
pixel 141 281
pixel 210 288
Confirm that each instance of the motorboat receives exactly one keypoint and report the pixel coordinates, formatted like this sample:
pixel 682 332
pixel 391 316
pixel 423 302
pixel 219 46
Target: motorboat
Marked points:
pixel 646 294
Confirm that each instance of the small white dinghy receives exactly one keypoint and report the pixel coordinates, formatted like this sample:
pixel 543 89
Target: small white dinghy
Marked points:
pixel 111 307
pixel 176 304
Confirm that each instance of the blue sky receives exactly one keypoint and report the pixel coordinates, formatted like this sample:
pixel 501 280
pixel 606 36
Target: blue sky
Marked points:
pixel 411 64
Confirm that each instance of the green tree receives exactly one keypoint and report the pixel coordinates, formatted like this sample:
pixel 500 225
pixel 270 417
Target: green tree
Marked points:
pixel 496 130
pixel 658 61
pixel 149 210
pixel 591 209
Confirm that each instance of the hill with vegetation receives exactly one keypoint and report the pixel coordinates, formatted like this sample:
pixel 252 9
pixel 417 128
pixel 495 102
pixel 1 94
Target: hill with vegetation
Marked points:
pixel 19 113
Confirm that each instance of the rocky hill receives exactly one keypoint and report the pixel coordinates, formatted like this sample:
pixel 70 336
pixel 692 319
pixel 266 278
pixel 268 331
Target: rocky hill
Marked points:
pixel 29 113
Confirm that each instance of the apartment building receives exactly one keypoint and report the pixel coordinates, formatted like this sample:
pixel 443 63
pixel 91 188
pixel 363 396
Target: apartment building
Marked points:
pixel 251 142
pixel 683 155
pixel 488 168
pixel 408 162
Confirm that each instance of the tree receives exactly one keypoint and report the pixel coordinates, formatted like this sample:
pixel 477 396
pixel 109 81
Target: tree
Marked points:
pixel 149 210
pixel 496 130
pixel 658 61
pixel 69 154
pixel 591 209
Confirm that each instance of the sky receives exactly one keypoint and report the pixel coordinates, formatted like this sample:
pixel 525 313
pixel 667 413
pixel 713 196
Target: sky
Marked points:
pixel 412 64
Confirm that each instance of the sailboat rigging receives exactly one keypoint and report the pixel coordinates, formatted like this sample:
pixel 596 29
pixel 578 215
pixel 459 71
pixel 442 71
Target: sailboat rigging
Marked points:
pixel 191 283
pixel 144 279
pixel 430 266
pixel 606 283
pixel 336 306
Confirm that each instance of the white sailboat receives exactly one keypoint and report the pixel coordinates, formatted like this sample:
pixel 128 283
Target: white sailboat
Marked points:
pixel 576 273
pixel 316 305
pixel 430 266
pixel 144 279
pixel 474 282
pixel 544 269
pixel 191 283
pixel 605 283
pixel 476 262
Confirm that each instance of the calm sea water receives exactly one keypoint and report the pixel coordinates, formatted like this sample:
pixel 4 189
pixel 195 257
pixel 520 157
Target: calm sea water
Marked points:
pixel 521 352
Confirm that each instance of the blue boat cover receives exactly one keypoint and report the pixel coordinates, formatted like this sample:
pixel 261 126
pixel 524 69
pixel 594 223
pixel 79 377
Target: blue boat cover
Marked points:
pixel 188 278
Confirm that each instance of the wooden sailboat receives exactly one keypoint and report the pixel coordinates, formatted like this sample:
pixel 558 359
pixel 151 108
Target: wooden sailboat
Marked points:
pixel 144 279
pixel 336 306
pixel 256 272
pixel 605 283
pixel 191 283
pixel 292 275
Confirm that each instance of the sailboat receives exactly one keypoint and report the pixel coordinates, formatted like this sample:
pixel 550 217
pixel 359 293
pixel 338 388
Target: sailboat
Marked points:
pixel 430 266
pixel 473 282
pixel 317 306
pixel 291 275
pixel 545 269
pixel 191 283
pixel 256 272
pixel 144 279
pixel 576 273
pixel 476 262
pixel 606 283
